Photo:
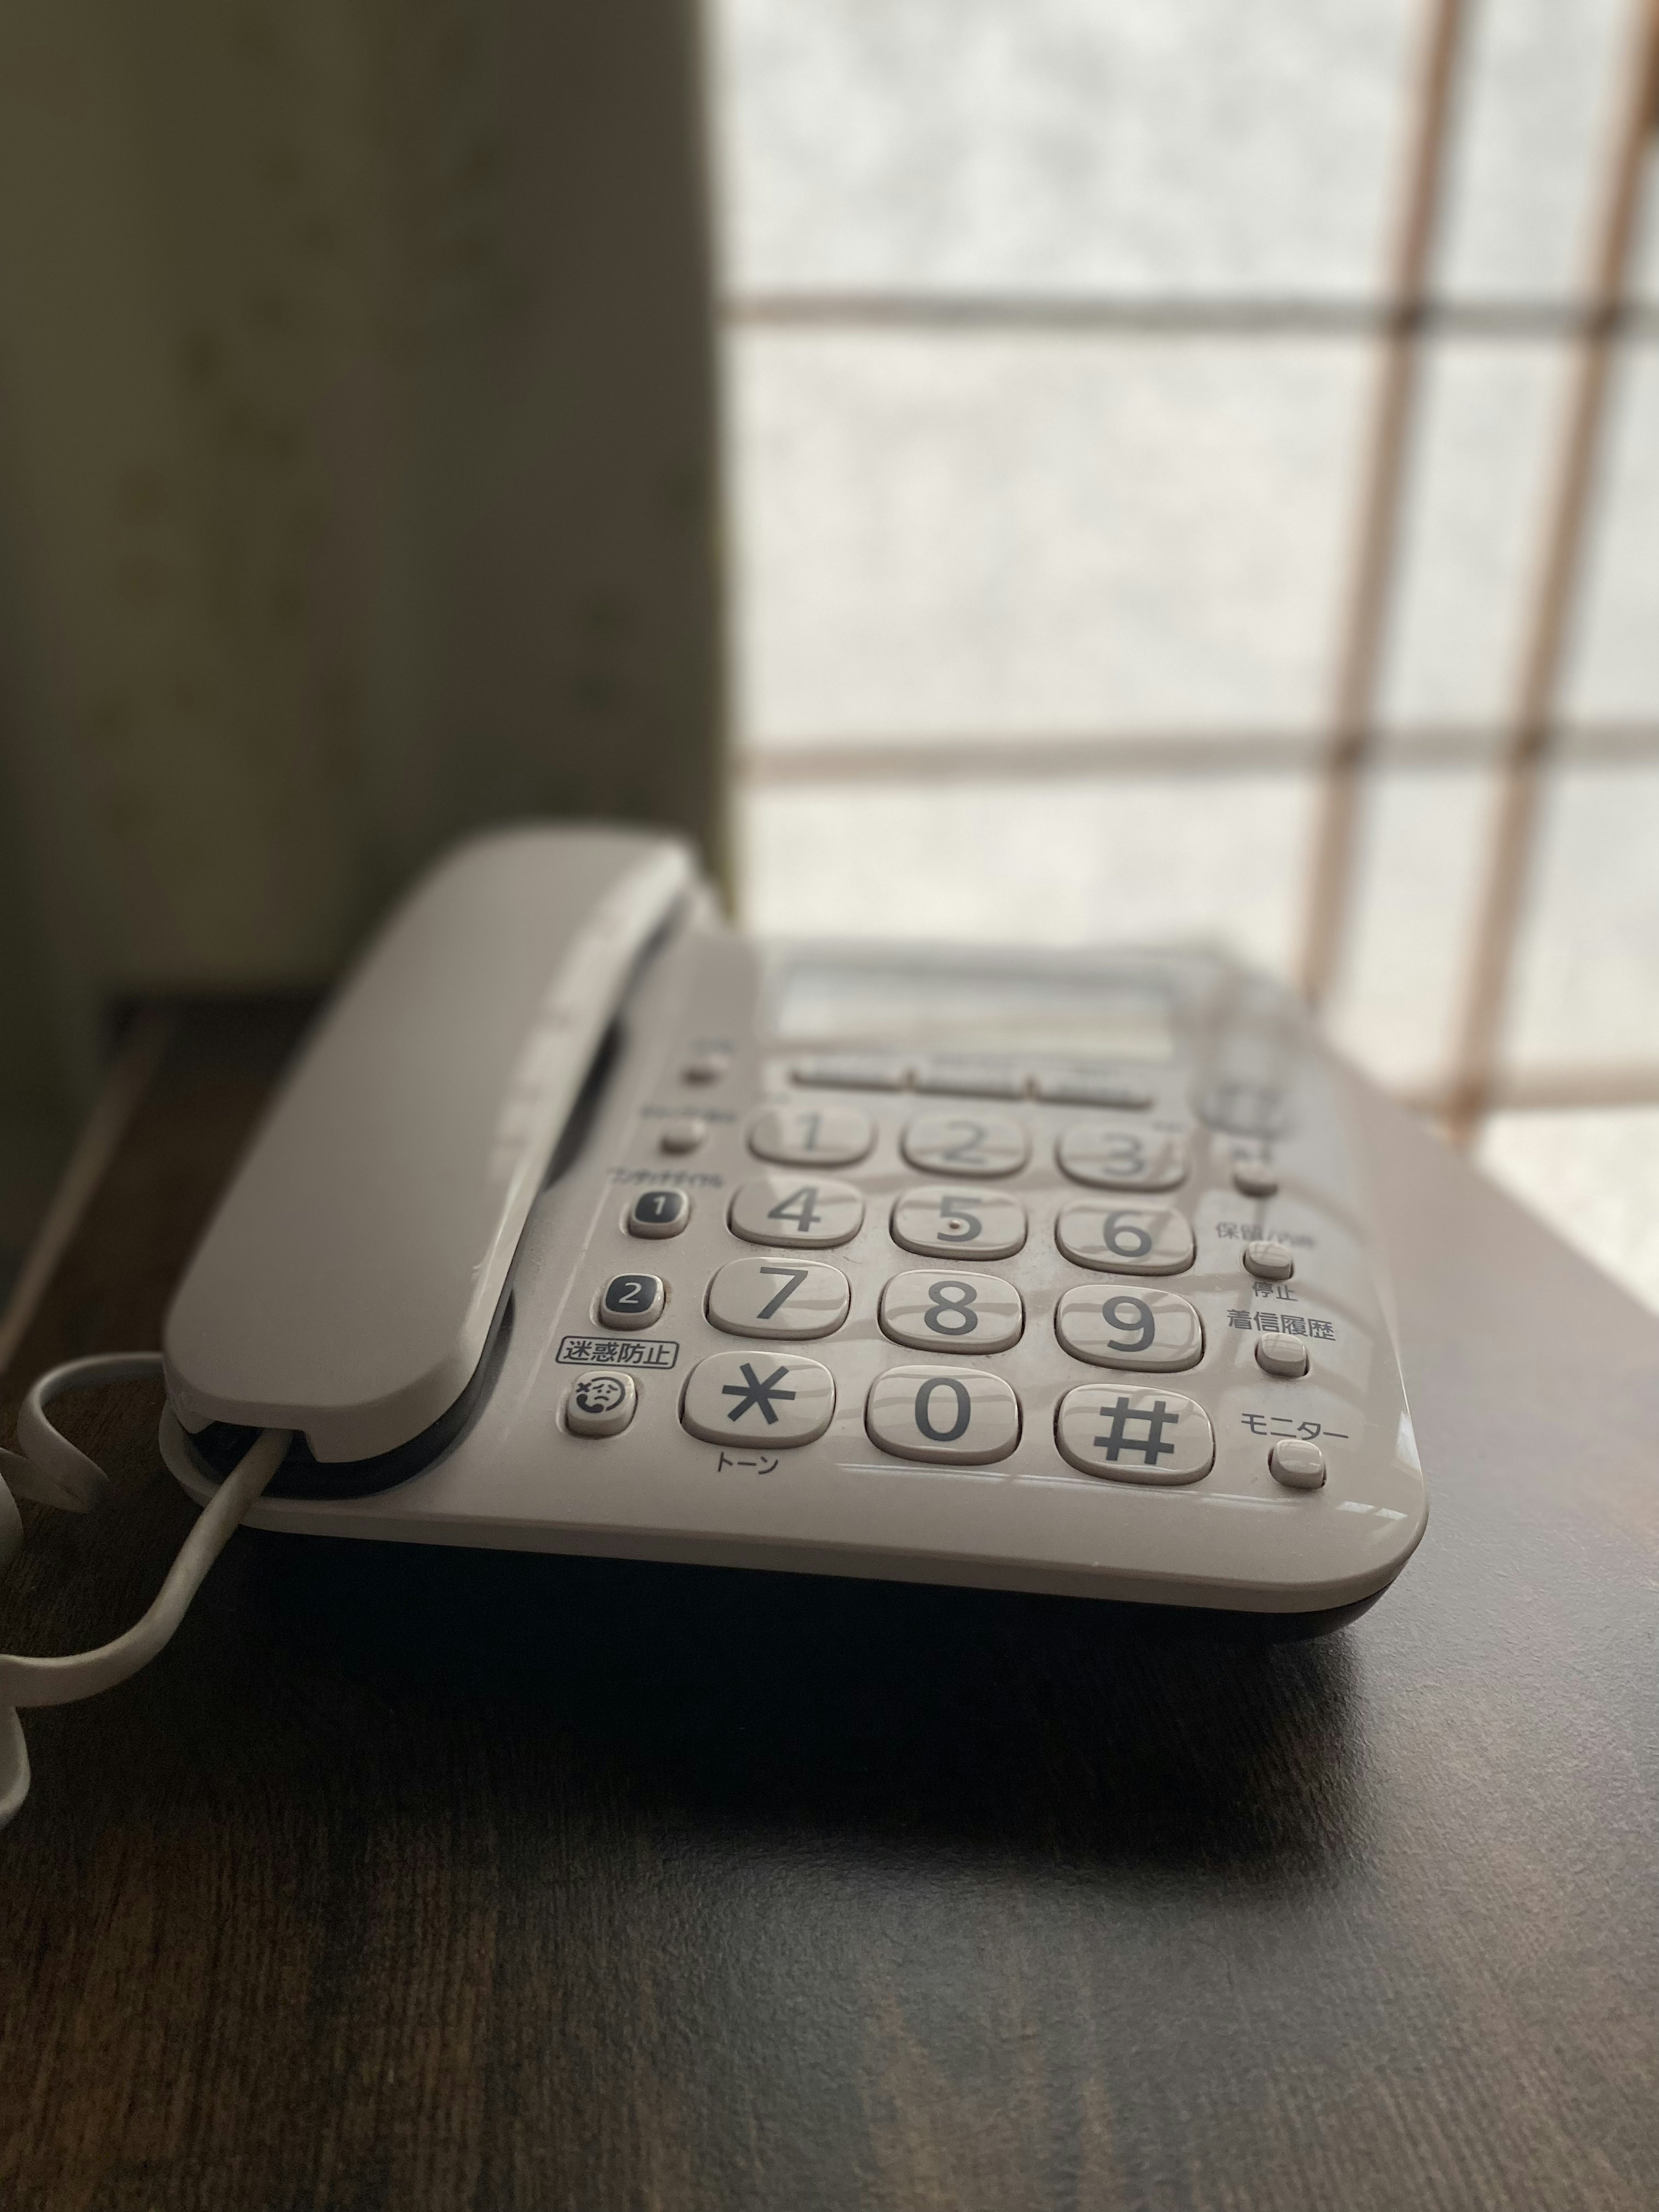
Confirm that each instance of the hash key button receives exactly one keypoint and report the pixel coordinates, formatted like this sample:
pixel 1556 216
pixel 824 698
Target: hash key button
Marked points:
pixel 760 1398
pixel 1135 1436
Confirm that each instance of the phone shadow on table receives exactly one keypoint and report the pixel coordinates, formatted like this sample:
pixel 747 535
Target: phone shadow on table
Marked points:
pixel 970 1721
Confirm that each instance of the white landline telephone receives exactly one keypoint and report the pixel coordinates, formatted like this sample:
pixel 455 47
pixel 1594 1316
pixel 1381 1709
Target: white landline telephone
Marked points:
pixel 585 1224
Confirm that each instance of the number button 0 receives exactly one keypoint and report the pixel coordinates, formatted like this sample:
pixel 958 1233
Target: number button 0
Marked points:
pixel 952 1313
pixel 1125 1240
pixel 1151 1329
pixel 967 1143
pixel 1121 1159
pixel 778 1298
pixel 632 1300
pixel 943 1221
pixel 955 1414
pixel 786 1209
pixel 811 1136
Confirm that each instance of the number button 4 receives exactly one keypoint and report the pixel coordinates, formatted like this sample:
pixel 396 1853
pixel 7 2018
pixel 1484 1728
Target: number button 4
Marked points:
pixel 943 1222
pixel 952 1313
pixel 779 1297
pixel 1125 1240
pixel 784 1209
pixel 967 1143
pixel 1154 1330
pixel 1121 1159
pixel 953 1415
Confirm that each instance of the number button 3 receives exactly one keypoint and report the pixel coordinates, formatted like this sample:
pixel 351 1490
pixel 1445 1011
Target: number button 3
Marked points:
pixel 952 1313
pixel 783 1209
pixel 1121 1159
pixel 943 1222
pixel 1153 1330
pixel 1125 1240
pixel 778 1298
pixel 954 1415
pixel 967 1143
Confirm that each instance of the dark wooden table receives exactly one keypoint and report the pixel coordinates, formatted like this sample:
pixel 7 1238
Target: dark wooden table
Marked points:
pixel 409 1879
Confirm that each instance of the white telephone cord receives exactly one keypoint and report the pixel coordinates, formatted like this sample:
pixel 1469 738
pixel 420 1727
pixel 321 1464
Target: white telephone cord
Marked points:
pixel 48 1468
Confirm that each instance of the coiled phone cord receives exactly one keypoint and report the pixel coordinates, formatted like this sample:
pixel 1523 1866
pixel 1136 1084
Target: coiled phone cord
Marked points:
pixel 49 1469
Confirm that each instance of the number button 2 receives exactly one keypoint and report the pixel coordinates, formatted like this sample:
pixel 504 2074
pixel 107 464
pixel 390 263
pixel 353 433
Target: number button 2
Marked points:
pixel 1113 1158
pixel 778 1298
pixel 943 1221
pixel 789 1209
pixel 952 1313
pixel 1125 1240
pixel 1153 1330
pixel 967 1143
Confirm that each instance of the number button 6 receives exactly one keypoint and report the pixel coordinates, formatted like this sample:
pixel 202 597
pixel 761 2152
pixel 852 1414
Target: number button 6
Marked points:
pixel 1153 1330
pixel 1125 1240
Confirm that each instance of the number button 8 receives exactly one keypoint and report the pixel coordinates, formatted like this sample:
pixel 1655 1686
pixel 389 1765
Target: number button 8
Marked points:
pixel 1154 1331
pixel 940 1312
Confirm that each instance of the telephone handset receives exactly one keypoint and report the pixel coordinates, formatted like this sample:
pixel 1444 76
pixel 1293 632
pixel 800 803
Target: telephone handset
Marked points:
pixel 585 1223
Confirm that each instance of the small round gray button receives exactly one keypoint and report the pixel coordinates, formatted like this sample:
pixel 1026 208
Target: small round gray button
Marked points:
pixel 1252 1179
pixel 1273 1261
pixel 600 1403
pixel 1298 1466
pixel 1281 1355
pixel 683 1135
pixel 706 1068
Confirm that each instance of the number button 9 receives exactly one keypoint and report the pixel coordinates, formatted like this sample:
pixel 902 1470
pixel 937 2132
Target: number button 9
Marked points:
pixel 1153 1330
pixel 940 1312
pixel 1113 1158
pixel 944 1221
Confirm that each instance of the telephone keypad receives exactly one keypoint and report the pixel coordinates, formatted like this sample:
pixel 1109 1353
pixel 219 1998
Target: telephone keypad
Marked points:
pixel 1114 1158
pixel 794 1209
pixel 632 1300
pixel 967 1145
pixel 1155 1331
pixel 957 1415
pixel 937 1311
pixel 779 1297
pixel 658 1213
pixel 811 1136
pixel 1125 1240
pixel 1135 1436
pixel 764 1401
pixel 945 1222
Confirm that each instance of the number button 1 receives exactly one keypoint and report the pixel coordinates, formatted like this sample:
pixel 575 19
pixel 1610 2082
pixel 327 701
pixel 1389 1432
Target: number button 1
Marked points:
pixel 943 1222
pixel 1121 1159
pixel 955 1414
pixel 1154 1330
pixel 1125 1240
pixel 813 1136
pixel 789 1209
pixel 952 1313
pixel 779 1297
pixel 967 1143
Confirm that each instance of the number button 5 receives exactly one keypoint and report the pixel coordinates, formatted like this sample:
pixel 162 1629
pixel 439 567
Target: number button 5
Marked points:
pixel 945 1222
pixel 1121 1159
pixel 967 1143
pixel 785 1209
pixel 1154 1330
pixel 952 1313
pixel 1125 1240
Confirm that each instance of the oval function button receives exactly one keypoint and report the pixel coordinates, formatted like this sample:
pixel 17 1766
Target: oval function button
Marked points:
pixel 657 1213
pixel 1281 1355
pixel 1153 1330
pixel 758 1400
pixel 793 1209
pixel 1254 1179
pixel 1114 1158
pixel 686 1135
pixel 1135 1436
pixel 967 1143
pixel 969 1077
pixel 1298 1466
pixel 941 1312
pixel 943 1221
pixel 1082 1090
pixel 853 1070
pixel 811 1136
pixel 1125 1240
pixel 957 1415
pixel 632 1300
pixel 778 1298
pixel 705 1066
pixel 600 1403
pixel 1273 1261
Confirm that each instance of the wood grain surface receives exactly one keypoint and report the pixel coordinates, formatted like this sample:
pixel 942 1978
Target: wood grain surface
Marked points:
pixel 412 1878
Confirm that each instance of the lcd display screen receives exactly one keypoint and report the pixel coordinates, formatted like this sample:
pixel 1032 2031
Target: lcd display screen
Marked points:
pixel 1053 1011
